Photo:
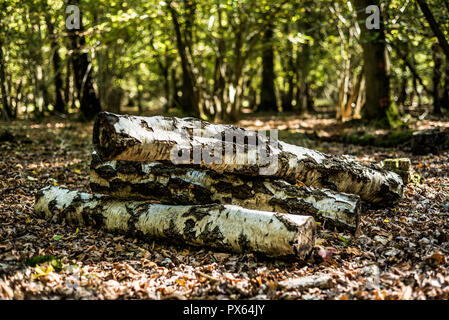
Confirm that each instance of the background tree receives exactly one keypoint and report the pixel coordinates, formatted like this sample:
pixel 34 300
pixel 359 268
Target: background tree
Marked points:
pixel 376 67
pixel 83 73
pixel 268 101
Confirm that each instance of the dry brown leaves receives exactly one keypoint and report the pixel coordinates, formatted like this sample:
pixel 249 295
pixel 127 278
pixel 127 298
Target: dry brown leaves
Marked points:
pixel 402 252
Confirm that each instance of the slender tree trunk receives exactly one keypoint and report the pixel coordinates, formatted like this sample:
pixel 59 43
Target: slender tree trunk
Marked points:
pixel 67 87
pixel 376 68
pixel 17 99
pixel 436 78
pixel 287 97
pixel 56 60
pixel 402 97
pixel 347 113
pixel 268 101
pixel 310 105
pixel 90 104
pixel 166 76
pixel 444 44
pixel 235 83
pixel 6 108
pixel 175 89
pixel 139 93
pixel 445 96
pixel 224 227
pixel 37 98
pixel 220 100
pixel 360 99
pixel 190 99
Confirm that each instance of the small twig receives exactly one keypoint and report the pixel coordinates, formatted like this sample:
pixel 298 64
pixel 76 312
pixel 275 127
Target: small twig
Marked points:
pixel 208 277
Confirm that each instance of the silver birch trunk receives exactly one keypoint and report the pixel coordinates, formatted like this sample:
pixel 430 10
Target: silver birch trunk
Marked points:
pixel 224 227
pixel 133 138
pixel 169 184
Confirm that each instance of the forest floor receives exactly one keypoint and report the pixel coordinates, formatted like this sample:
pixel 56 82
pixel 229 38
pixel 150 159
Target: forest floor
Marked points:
pixel 401 253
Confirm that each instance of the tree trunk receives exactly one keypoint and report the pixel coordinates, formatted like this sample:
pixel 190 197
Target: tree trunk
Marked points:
pixel 171 184
pixel 139 93
pixel 268 100
pixel 360 99
pixel 84 82
pixel 444 44
pixel 6 108
pixel 56 60
pixel 190 98
pixel 223 227
pixel 159 138
pixel 355 91
pixel 166 75
pixel 375 62
pixel 436 78
pixel 114 99
pixel 445 96
pixel 402 96
pixel 67 88
pixel 175 89
pixel 289 65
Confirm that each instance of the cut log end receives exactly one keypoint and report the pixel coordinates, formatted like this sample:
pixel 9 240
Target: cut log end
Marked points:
pixel 105 136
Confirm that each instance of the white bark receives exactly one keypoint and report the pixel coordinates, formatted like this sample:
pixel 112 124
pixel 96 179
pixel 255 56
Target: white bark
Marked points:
pixel 169 184
pixel 225 227
pixel 151 139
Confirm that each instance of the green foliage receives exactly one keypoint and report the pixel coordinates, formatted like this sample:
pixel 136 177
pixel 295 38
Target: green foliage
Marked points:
pixel 393 116
pixel 133 45
pixel 51 260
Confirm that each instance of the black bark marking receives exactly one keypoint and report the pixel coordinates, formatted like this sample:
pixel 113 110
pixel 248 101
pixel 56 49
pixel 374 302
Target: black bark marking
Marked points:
pixel 128 167
pixel 198 212
pixel 106 172
pixel 145 125
pixel 189 232
pixel 212 236
pixel 171 234
pixel 243 242
pixel 107 141
pixel 135 213
pixel 287 223
pixel 52 206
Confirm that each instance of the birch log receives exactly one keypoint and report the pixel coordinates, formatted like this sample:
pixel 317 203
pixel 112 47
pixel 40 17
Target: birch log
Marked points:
pixel 120 137
pixel 224 227
pixel 169 184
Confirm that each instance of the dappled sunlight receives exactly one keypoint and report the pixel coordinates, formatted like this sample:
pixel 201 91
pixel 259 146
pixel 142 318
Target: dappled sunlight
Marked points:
pixel 111 188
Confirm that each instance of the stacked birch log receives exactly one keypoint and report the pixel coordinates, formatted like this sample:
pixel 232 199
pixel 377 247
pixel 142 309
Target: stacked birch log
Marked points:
pixel 148 182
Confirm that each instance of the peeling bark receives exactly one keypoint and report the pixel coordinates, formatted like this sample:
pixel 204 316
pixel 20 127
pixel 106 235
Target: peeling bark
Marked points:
pixel 169 184
pixel 149 139
pixel 224 227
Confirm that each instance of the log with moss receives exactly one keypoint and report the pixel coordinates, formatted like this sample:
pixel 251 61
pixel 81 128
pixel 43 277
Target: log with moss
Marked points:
pixel 224 227
pixel 132 138
pixel 170 184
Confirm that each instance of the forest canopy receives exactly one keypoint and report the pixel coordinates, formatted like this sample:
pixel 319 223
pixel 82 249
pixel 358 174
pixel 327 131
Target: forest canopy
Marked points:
pixel 219 59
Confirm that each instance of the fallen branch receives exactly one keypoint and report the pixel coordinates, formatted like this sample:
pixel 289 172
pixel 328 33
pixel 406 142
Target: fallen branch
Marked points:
pixel 133 138
pixel 169 184
pixel 224 227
